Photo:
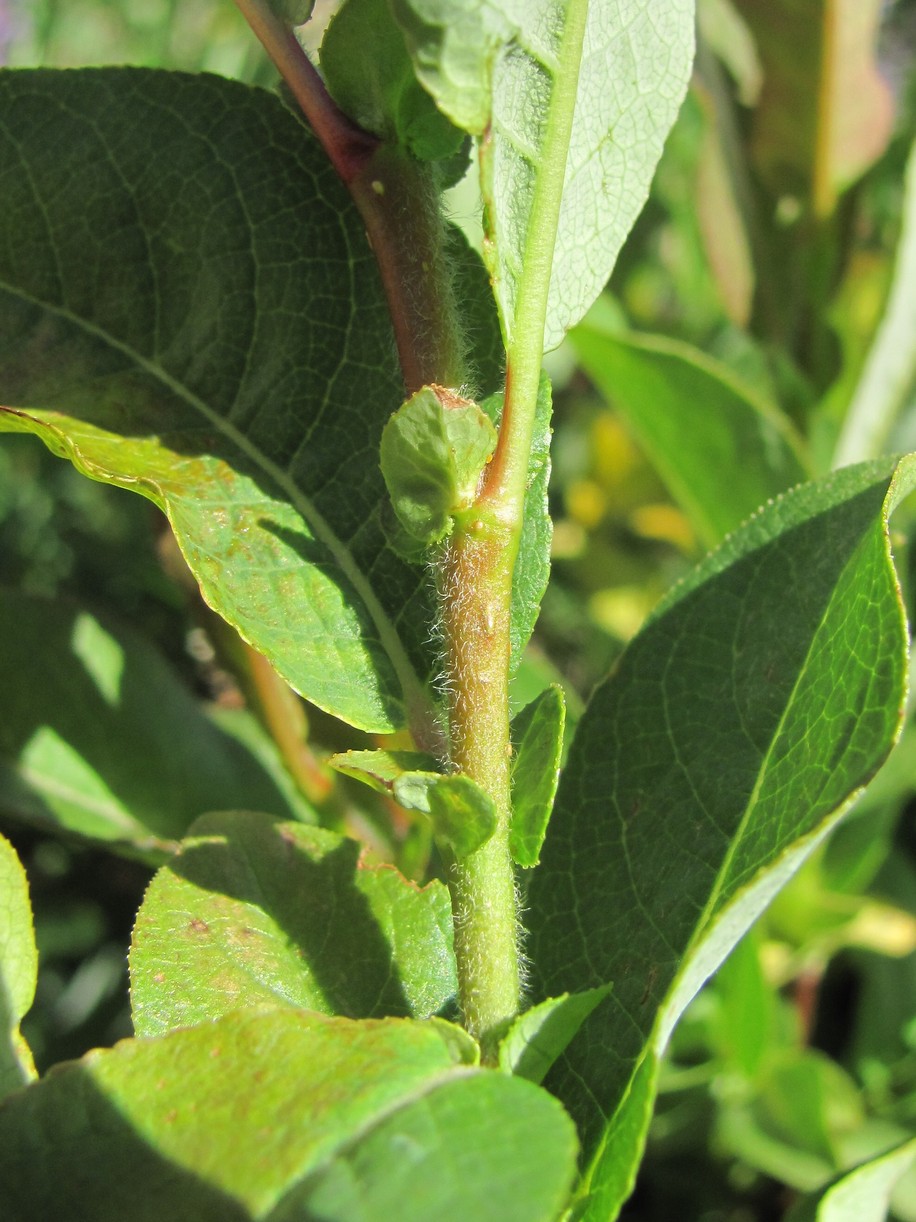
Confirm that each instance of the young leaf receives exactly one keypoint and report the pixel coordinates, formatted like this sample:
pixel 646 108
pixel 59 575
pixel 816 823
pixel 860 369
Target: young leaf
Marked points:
pixel 254 911
pixel 541 1034
pixel 433 451
pixel 79 750
pixel 18 970
pixel 860 1195
pixel 721 449
pixel 172 320
pixel 761 695
pixel 537 732
pixel 462 814
pixel 505 70
pixel 284 1115
pixel 365 63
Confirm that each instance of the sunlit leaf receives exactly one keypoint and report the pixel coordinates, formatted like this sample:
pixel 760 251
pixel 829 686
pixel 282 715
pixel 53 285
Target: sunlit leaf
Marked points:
pixel 254 912
pixel 536 1039
pixel 764 691
pixel 462 813
pixel 537 733
pixel 284 1115
pixel 861 1195
pixel 722 449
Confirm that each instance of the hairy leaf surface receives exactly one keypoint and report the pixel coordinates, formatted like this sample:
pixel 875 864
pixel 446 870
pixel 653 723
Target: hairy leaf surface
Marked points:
pixel 500 69
pixel 283 1115
pixel 189 308
pixel 255 912
pixel 761 695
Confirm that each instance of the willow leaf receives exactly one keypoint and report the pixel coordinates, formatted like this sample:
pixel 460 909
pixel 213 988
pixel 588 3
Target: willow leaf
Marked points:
pixel 505 70
pixel 189 308
pixel 763 693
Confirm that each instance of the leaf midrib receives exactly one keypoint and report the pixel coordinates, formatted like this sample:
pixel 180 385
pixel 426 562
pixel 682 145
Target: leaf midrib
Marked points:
pixel 412 687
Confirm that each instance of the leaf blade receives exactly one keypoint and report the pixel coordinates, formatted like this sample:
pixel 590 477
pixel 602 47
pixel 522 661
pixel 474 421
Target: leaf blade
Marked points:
pixel 538 735
pixel 216 348
pixel 240 917
pixel 721 450
pixel 261 1113
pixel 798 737
pixel 494 68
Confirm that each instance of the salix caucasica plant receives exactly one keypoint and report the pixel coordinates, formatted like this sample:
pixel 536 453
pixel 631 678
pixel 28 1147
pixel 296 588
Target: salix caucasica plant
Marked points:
pixel 251 310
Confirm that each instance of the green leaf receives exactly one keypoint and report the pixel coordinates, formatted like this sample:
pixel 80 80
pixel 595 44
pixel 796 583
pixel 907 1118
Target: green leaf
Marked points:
pixel 860 1195
pixel 254 912
pixel 825 112
pixel 486 356
pixel 365 63
pixel 535 1040
pixel 433 451
pixel 506 69
pixel 474 1153
pixel 172 320
pixel 462 814
pixel 80 751
pixel 764 691
pixel 537 733
pixel 18 970
pixel 721 449
pixel 284 1115
pixel 382 769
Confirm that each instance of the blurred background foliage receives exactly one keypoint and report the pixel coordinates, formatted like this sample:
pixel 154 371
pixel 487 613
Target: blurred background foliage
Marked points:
pixel 760 327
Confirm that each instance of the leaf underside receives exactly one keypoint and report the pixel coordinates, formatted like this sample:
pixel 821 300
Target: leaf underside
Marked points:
pixel 18 969
pixel 493 67
pixel 284 1115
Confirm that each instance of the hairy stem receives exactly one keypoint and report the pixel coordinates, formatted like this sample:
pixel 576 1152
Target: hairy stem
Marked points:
pixel 476 573
pixel 480 559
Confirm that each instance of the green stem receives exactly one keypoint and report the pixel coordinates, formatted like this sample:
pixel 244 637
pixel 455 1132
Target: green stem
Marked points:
pixel 477 597
pixel 399 207
pixel 476 572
